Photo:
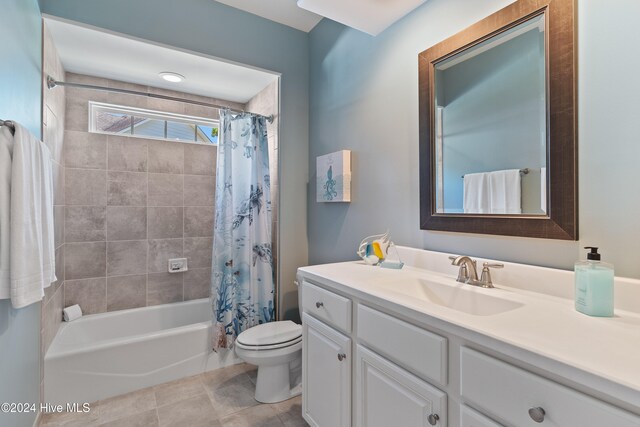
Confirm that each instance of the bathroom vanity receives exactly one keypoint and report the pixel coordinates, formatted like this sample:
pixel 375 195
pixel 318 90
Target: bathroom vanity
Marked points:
pixel 413 347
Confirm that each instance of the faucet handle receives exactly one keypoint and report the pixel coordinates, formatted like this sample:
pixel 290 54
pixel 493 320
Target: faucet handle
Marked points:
pixel 492 265
pixel 485 279
pixel 452 258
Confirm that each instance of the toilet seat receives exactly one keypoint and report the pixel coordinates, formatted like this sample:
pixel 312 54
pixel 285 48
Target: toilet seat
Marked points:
pixel 268 347
pixel 270 336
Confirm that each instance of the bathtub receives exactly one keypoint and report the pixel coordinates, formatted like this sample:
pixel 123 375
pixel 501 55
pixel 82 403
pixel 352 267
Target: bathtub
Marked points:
pixel 104 355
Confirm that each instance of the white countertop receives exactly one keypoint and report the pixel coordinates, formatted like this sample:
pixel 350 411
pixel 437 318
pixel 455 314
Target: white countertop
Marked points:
pixel 545 325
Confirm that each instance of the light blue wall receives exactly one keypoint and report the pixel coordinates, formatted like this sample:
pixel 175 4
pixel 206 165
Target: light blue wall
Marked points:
pixel 20 98
pixel 364 97
pixel 507 81
pixel 215 29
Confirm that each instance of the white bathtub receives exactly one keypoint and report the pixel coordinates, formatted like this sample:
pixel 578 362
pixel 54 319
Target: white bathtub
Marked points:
pixel 104 355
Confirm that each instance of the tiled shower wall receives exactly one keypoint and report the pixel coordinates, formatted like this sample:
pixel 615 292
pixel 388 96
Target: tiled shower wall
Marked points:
pixel 132 204
pixel 53 118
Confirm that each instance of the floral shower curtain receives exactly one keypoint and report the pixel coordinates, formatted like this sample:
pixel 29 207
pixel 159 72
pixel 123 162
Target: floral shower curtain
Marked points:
pixel 242 283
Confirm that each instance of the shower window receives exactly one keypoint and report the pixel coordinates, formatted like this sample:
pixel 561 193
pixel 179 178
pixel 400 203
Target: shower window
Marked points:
pixel 136 122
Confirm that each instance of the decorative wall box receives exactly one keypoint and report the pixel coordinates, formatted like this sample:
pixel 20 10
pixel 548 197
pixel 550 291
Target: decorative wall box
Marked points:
pixel 333 173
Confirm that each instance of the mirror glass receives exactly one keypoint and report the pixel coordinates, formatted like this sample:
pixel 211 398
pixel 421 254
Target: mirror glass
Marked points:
pixel 490 126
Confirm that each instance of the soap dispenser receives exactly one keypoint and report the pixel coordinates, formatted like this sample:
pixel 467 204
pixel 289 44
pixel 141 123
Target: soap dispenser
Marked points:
pixel 594 285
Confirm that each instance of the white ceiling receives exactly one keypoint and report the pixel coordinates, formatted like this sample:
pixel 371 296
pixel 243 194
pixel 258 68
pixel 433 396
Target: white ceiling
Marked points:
pixel 285 12
pixel 370 16
pixel 90 51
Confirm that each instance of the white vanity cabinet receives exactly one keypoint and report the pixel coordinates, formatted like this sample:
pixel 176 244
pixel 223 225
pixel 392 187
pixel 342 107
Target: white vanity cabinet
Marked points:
pixel 384 394
pixel 367 363
pixel 326 375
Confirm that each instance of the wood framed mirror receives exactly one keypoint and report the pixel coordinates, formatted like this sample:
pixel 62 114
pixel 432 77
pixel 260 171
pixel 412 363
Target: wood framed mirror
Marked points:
pixel 497 113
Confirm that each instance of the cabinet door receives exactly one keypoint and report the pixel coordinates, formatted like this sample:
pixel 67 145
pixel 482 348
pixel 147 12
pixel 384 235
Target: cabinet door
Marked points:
pixel 387 395
pixel 326 367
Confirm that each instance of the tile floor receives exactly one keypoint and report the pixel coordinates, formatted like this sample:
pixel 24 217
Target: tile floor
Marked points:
pixel 220 398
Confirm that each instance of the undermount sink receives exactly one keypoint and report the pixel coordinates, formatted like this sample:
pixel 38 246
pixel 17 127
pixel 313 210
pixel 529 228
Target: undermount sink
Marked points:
pixel 459 297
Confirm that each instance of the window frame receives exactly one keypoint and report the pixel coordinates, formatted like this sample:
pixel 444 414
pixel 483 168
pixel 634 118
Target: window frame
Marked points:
pixel 96 107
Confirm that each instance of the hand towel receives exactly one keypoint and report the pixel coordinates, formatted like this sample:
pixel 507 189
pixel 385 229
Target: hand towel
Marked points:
pixel 32 230
pixel 6 153
pixel 543 189
pixel 505 191
pixel 476 194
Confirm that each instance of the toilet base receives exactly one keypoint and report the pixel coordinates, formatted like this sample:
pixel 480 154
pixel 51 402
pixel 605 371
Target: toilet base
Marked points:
pixel 273 384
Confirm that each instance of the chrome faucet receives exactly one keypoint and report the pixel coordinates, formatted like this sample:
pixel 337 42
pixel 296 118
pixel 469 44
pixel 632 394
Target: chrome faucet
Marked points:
pixel 468 273
pixel 467 269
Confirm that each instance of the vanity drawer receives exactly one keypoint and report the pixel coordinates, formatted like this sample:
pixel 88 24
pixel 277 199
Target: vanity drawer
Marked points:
pixel 508 393
pixel 332 308
pixel 471 418
pixel 421 352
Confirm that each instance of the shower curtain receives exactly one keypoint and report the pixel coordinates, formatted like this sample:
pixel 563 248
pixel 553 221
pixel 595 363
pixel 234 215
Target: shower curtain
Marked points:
pixel 242 282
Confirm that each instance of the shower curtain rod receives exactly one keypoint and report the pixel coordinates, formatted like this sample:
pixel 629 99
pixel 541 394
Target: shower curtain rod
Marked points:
pixel 51 83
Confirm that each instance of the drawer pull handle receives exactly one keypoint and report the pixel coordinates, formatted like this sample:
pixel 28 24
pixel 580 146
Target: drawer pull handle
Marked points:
pixel 537 414
pixel 433 419
pixel 341 356
pixel 319 304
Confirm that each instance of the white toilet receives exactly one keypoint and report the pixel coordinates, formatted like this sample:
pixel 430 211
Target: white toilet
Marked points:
pixel 276 348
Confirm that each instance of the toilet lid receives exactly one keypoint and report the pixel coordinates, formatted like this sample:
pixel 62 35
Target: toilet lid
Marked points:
pixel 271 333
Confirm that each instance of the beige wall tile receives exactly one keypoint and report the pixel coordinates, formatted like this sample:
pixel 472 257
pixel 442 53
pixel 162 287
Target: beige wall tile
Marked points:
pixel 90 294
pixel 165 222
pixel 166 157
pixel 166 189
pixel 58 184
pixel 126 257
pixel 198 221
pixel 85 223
pixel 52 318
pixel 85 150
pixel 85 260
pixel 200 159
pixel 167 106
pixel 85 187
pixel 201 111
pixel 126 188
pixel 199 190
pixel 126 223
pixel 125 292
pixel 59 269
pixel 163 288
pixel 58 225
pixel 197 283
pixel 123 187
pixel 77 113
pixel 126 153
pixel 198 251
pixel 160 251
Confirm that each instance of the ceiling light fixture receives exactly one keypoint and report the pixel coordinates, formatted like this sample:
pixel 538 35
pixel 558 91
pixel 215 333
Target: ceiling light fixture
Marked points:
pixel 172 77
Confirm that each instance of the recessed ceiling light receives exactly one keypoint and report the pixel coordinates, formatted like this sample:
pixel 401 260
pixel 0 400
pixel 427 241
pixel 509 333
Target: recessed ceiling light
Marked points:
pixel 172 77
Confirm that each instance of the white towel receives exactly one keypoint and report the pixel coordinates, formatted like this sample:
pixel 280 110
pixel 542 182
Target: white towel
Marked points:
pixel 32 266
pixel 505 189
pixel 543 189
pixel 476 195
pixel 6 153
